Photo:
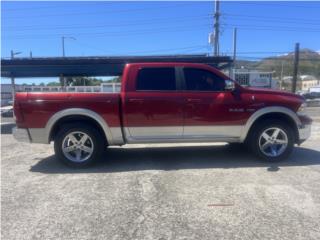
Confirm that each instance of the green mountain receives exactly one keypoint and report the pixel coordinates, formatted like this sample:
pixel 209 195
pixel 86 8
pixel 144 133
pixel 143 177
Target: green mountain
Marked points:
pixel 309 63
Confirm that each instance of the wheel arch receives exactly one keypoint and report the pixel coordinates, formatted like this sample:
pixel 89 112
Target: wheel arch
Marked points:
pixel 279 113
pixel 81 114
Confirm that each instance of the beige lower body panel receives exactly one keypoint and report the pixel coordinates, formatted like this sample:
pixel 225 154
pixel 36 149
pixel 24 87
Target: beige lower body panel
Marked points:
pixel 160 134
pixel 40 135
pixel 212 131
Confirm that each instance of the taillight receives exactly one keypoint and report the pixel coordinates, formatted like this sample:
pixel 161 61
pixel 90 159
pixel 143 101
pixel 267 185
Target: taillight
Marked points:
pixel 17 110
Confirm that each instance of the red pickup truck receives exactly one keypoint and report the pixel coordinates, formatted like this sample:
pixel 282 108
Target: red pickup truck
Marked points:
pixel 163 103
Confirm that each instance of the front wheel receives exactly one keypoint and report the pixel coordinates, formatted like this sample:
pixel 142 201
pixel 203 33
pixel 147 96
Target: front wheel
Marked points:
pixel 272 140
pixel 78 145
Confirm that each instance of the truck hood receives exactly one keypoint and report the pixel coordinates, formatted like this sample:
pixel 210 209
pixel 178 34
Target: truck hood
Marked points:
pixel 271 91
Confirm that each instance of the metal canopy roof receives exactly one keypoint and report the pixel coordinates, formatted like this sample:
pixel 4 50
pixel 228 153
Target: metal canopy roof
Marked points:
pixel 93 66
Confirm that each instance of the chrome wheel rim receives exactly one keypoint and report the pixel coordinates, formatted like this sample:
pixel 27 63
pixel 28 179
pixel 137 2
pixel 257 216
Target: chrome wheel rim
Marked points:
pixel 77 146
pixel 273 142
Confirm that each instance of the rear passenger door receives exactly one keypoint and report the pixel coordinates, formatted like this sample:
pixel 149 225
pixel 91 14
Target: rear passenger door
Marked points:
pixel 153 111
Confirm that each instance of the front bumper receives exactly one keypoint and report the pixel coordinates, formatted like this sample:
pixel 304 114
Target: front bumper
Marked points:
pixel 304 132
pixel 21 134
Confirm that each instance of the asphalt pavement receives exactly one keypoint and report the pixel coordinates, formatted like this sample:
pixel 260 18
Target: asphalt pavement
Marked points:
pixel 163 191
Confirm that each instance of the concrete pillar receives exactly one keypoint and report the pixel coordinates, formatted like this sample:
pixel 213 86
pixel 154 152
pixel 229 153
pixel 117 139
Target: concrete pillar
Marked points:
pixel 13 88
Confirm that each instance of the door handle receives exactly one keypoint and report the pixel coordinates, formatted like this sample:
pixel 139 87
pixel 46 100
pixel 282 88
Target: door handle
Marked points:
pixel 193 100
pixel 135 100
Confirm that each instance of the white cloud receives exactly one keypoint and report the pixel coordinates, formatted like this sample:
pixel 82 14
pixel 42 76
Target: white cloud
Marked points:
pixel 283 54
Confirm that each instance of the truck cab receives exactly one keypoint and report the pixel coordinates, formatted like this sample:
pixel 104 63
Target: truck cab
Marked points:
pixel 164 103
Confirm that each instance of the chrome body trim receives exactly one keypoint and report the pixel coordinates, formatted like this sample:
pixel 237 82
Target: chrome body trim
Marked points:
pixel 264 111
pixel 194 134
pixel 21 134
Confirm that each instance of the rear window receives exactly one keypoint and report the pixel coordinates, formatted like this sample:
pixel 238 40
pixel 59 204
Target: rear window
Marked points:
pixel 156 79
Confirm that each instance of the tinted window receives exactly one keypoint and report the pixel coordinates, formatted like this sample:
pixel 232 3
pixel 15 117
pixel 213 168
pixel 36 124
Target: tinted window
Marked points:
pixel 156 79
pixel 202 80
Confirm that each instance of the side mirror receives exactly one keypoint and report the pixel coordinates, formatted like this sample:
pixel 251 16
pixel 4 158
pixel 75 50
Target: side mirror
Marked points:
pixel 229 85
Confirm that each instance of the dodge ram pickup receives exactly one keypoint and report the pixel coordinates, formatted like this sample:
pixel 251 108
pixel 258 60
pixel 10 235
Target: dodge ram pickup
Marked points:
pixel 163 103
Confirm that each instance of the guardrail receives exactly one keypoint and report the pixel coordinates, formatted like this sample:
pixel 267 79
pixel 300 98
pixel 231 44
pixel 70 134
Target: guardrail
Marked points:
pixel 104 87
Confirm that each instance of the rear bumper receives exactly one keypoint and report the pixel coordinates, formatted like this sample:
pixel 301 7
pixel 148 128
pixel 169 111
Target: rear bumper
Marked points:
pixel 30 135
pixel 21 134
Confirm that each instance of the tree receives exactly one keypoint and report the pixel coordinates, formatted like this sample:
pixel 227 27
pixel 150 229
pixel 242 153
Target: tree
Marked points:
pixel 84 81
pixel 54 84
pixel 115 79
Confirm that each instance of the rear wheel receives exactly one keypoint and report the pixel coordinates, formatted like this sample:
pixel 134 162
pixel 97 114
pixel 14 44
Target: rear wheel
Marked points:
pixel 272 140
pixel 78 145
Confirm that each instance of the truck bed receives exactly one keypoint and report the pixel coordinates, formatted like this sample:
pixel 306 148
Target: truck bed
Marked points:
pixel 44 105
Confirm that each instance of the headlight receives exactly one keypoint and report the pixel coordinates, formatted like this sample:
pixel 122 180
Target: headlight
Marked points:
pixel 302 109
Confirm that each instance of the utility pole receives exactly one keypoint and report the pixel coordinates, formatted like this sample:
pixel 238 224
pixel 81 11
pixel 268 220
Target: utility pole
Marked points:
pixel 13 84
pixel 281 75
pixel 233 65
pixel 63 84
pixel 63 48
pixel 63 51
pixel 295 68
pixel 216 27
pixel 234 46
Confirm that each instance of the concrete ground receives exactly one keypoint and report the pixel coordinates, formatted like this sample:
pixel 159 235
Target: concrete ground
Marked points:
pixel 203 191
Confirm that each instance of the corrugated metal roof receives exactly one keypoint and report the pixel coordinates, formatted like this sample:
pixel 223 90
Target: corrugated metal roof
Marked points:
pixel 93 66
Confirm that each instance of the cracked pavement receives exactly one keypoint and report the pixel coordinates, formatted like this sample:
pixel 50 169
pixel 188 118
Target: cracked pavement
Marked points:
pixel 164 191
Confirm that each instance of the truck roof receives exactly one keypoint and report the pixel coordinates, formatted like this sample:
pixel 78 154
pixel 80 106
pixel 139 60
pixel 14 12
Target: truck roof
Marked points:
pixel 169 64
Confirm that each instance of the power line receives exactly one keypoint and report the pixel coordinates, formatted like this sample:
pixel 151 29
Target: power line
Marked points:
pixel 149 51
pixel 266 52
pixel 274 27
pixel 271 20
pixel 281 59
pixel 43 7
pixel 127 33
pixel 278 4
pixel 270 29
pixel 97 12
pixel 272 17
pixel 171 49
pixel 132 23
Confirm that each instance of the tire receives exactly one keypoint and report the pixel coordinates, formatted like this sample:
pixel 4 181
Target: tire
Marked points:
pixel 77 140
pixel 235 146
pixel 274 149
